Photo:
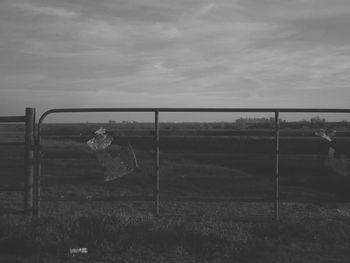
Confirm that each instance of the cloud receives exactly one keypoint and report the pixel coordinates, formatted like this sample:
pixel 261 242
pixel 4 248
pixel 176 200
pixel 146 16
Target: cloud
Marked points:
pixel 204 10
pixel 48 11
pixel 99 29
pixel 168 32
pixel 159 67
pixel 47 49
pixel 227 53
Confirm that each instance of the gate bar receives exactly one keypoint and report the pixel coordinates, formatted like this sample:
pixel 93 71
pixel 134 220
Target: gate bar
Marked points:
pixel 37 176
pixel 29 160
pixel 290 110
pixel 12 118
pixel 277 135
pixel 156 193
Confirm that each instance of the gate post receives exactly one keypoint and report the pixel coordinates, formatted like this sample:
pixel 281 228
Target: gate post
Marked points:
pixel 29 160
pixel 37 175
pixel 277 149
pixel 156 177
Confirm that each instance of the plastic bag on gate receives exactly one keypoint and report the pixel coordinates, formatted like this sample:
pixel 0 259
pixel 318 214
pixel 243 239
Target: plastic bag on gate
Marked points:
pixel 337 162
pixel 115 167
pixel 118 166
pixel 326 134
pixel 101 141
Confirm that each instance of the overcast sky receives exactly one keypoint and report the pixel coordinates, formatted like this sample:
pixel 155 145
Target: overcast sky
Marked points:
pixel 183 53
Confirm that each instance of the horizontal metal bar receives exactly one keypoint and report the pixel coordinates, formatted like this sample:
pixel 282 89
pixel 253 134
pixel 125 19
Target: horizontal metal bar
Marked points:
pixel 12 118
pixel 4 166
pixel 301 110
pixel 12 143
pixel 12 189
pixel 63 110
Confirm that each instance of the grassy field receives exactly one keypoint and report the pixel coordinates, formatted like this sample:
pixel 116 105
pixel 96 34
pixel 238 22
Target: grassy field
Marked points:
pixel 216 203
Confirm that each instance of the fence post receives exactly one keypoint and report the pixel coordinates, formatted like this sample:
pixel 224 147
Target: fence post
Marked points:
pixel 29 160
pixel 156 190
pixel 37 176
pixel 276 166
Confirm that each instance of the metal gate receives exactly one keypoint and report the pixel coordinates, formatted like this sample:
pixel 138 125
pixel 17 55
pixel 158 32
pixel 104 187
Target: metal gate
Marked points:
pixel 156 112
pixel 29 166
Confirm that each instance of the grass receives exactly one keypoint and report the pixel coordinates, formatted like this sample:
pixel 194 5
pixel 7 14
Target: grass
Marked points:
pixel 215 207
pixel 142 238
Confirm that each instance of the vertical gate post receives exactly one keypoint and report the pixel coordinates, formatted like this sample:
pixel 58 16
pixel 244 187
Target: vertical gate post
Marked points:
pixel 29 160
pixel 276 166
pixel 37 177
pixel 156 186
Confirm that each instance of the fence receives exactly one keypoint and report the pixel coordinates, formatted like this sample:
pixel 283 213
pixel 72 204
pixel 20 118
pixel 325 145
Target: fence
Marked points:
pixel 33 148
pixel 28 166
pixel 156 112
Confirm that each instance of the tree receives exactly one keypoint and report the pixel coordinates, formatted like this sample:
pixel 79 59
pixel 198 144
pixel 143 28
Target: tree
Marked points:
pixel 317 119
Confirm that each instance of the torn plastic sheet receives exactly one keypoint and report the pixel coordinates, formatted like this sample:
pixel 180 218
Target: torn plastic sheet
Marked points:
pixel 326 134
pixel 101 141
pixel 118 166
pixel 338 163
pixel 115 167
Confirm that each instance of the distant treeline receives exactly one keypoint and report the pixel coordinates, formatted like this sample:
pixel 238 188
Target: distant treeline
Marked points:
pixel 226 127
pixel 239 124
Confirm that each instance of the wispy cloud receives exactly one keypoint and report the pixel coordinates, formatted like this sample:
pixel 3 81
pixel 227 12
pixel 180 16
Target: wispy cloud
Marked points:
pixel 204 10
pixel 169 32
pixel 48 11
pixel 161 68
pixel 47 49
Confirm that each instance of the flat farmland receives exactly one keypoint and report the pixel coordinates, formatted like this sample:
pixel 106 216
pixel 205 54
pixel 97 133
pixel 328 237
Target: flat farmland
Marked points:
pixel 216 194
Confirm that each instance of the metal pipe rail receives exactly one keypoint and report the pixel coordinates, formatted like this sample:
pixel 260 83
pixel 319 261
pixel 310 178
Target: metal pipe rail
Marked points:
pixel 156 112
pixel 12 119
